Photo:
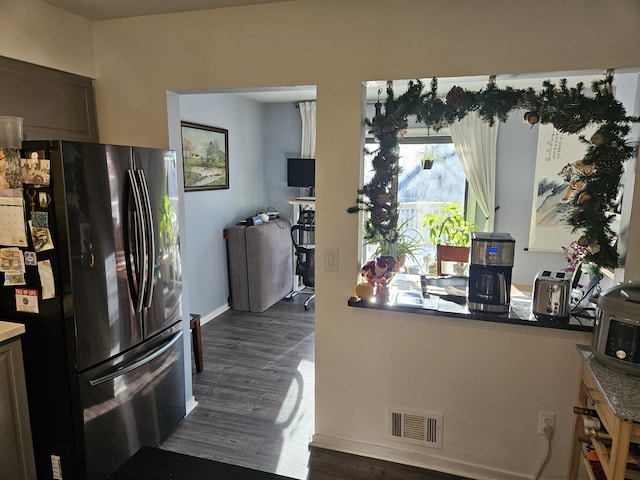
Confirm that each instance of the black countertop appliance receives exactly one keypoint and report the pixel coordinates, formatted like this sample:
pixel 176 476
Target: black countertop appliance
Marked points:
pixel 490 271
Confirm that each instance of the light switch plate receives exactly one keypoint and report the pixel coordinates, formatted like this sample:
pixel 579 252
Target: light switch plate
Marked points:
pixel 331 259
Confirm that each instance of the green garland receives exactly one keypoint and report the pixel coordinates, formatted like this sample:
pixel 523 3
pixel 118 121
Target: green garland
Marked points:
pixel 567 109
pixel 378 196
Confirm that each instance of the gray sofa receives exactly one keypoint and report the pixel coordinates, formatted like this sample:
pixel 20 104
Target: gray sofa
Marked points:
pixel 260 260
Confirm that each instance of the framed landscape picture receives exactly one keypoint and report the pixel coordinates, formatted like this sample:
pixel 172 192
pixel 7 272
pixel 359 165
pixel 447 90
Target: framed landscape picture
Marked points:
pixel 205 154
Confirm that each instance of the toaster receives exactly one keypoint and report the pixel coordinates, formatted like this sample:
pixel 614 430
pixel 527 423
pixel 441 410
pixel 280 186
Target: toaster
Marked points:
pixel 551 296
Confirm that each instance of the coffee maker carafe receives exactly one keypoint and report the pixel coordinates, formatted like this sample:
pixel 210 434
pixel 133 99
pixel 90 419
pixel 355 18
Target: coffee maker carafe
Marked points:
pixel 490 271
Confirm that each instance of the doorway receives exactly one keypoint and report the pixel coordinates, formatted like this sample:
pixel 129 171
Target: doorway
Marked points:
pixel 235 419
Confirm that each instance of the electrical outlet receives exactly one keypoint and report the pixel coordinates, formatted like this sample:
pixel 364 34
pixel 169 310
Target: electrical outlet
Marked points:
pixel 546 419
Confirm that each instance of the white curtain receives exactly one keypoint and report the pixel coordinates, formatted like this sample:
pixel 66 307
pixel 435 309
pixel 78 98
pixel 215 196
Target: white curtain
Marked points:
pixel 308 116
pixel 475 143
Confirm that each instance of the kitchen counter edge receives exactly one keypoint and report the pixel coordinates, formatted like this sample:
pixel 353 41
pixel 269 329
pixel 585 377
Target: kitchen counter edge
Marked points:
pixel 506 318
pixel 10 330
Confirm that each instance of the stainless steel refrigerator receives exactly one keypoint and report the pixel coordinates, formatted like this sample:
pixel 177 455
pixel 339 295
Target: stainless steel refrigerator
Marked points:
pixel 101 304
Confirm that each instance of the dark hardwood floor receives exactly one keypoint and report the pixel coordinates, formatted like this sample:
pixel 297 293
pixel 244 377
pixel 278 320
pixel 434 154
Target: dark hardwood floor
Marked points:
pixel 256 401
pixel 255 395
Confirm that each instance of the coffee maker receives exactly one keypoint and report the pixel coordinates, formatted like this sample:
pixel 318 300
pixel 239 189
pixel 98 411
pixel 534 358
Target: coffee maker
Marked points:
pixel 490 271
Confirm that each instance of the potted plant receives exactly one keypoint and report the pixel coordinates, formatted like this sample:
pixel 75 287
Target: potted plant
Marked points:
pixel 406 243
pixel 389 257
pixel 429 156
pixel 449 227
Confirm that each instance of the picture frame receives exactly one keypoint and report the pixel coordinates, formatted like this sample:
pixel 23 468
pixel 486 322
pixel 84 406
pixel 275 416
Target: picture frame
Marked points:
pixel 553 189
pixel 205 157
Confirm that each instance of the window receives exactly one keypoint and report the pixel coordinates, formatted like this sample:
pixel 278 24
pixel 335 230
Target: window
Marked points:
pixel 422 190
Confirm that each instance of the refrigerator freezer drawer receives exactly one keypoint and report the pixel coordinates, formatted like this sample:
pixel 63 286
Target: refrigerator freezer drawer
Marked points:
pixel 132 405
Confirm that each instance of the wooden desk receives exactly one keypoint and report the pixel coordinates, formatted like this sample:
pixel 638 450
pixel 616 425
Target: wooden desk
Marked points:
pixel 298 206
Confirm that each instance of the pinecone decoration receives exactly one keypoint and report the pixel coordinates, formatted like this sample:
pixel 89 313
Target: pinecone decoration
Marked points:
pixel 378 216
pixel 570 124
pixel 531 118
pixel 432 114
pixel 597 139
pixel 456 97
pixel 610 160
pixel 383 198
pixel 583 197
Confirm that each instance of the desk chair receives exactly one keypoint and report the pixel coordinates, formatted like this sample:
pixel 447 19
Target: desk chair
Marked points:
pixel 305 260
pixel 447 253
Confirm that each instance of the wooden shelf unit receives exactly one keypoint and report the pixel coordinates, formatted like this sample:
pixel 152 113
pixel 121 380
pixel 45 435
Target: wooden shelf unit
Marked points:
pixel 613 457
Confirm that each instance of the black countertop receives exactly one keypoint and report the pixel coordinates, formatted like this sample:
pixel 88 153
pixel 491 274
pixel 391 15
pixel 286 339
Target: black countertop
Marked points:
pixel 409 298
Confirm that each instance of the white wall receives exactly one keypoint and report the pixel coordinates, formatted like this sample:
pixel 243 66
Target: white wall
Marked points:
pixel 261 136
pixel 628 92
pixel 283 131
pixel 489 380
pixel 515 167
pixel 39 33
pixel 209 212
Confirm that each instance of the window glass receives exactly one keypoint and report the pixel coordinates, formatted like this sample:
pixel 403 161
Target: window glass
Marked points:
pixel 422 190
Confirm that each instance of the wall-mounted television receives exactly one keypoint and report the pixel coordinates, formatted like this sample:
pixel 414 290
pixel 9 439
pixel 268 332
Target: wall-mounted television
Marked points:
pixel 301 172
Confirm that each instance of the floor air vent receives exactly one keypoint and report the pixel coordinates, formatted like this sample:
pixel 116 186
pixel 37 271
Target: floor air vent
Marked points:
pixel 415 427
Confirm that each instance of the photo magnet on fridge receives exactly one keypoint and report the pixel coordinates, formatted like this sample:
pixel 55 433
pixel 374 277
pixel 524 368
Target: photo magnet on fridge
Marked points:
pixel 27 300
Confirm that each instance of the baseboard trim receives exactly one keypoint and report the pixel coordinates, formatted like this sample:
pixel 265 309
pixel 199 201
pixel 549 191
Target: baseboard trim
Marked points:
pixel 191 404
pixel 213 314
pixel 421 460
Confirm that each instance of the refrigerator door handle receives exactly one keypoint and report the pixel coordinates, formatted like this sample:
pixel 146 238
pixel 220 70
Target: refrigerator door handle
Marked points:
pixel 139 259
pixel 124 369
pixel 151 244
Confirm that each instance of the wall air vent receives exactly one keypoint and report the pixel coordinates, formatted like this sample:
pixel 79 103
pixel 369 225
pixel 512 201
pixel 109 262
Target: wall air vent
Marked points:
pixel 414 426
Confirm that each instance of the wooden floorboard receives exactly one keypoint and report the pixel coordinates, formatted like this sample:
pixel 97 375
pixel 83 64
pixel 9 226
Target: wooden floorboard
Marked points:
pixel 255 395
pixel 256 401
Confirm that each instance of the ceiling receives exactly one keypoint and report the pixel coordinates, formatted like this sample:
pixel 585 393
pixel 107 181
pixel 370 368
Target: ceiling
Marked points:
pixel 107 9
